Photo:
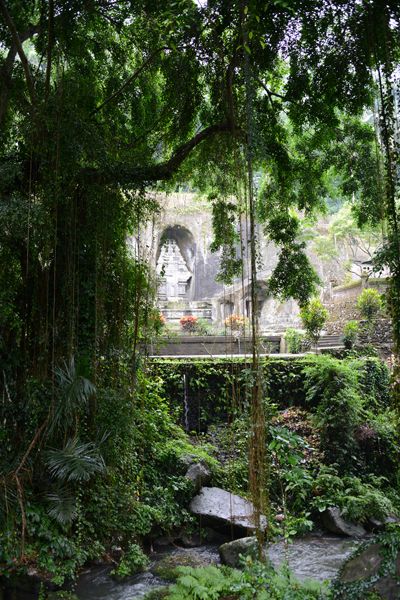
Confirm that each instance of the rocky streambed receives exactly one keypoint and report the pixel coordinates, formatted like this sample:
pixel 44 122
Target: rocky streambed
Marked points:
pixel 315 556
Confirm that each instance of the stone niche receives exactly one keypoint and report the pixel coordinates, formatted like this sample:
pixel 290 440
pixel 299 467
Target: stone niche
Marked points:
pixel 176 265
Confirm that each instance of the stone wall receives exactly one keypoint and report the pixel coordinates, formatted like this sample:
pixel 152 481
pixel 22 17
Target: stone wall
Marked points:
pixel 195 345
pixel 354 289
pixel 188 220
pixel 205 391
pixel 202 389
pixel 340 313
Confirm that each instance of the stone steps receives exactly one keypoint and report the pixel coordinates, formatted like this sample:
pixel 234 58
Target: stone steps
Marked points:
pixel 330 341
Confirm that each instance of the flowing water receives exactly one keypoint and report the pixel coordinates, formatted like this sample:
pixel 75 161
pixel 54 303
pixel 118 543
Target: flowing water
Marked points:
pixel 312 556
pixel 96 583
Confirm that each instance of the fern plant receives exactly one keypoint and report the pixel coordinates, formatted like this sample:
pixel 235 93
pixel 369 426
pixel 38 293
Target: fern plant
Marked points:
pixel 356 500
pixel 257 581
pixel 209 583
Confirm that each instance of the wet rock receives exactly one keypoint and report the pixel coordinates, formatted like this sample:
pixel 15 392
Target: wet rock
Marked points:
pixel 165 541
pixel 115 576
pixel 373 524
pixel 199 473
pixel 214 536
pixel 167 567
pixel 27 585
pixel 229 552
pixel 191 541
pixel 333 521
pixel 224 511
pixel 366 565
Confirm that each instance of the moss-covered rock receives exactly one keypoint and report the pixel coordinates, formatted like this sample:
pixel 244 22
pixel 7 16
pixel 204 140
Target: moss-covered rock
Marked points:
pixel 167 567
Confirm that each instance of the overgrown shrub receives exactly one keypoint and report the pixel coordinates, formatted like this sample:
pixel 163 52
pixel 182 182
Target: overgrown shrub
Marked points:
pixel 334 386
pixel 356 499
pixel 350 335
pixel 313 316
pixel 294 339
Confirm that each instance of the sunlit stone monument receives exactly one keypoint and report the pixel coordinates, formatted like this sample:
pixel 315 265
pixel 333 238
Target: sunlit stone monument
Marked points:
pixel 173 271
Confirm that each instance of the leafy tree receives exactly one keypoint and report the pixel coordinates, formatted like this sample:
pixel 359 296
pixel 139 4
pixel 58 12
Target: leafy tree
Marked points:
pixel 313 316
pixel 346 237
pixel 369 304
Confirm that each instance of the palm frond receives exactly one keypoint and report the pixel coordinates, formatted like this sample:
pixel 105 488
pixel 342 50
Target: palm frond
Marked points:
pixel 77 461
pixel 74 389
pixel 62 506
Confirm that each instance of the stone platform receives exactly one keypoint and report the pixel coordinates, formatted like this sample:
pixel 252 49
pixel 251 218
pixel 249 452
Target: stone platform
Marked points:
pixel 199 345
pixel 173 311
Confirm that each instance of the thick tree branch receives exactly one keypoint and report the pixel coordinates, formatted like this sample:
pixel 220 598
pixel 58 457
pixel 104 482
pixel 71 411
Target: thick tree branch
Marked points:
pixel 269 93
pixel 136 73
pixel 8 85
pixel 121 174
pixel 183 151
pixel 6 73
pixel 18 45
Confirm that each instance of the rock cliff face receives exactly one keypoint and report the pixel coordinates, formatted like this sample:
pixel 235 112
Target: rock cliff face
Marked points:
pixel 185 225
pixel 187 222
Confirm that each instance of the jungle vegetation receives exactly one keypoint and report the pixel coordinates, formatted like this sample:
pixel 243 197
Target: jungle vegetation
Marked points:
pixel 104 104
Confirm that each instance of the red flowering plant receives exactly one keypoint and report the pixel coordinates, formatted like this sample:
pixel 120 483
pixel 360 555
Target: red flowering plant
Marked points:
pixel 158 321
pixel 236 322
pixel 188 323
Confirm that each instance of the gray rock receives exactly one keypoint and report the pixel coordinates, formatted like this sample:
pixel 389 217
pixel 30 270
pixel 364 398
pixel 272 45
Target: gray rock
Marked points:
pixel 229 553
pixel 214 536
pixel 165 540
pixel 333 521
pixel 365 565
pixel 188 459
pixel 368 564
pixel 191 541
pixel 373 524
pixel 199 473
pixel 167 567
pixel 224 511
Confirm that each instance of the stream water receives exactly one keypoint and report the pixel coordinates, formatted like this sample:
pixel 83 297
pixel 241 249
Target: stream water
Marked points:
pixel 312 556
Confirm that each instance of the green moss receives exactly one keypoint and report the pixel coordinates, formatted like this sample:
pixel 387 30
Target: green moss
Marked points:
pixel 348 286
pixel 167 567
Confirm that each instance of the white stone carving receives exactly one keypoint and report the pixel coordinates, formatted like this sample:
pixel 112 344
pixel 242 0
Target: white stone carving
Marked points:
pixel 175 272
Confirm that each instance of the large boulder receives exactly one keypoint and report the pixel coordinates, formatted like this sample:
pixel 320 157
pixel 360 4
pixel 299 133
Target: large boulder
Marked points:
pixel 167 567
pixel 229 552
pixel 333 521
pixel 199 473
pixel 369 572
pixel 224 511
pixel 375 525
